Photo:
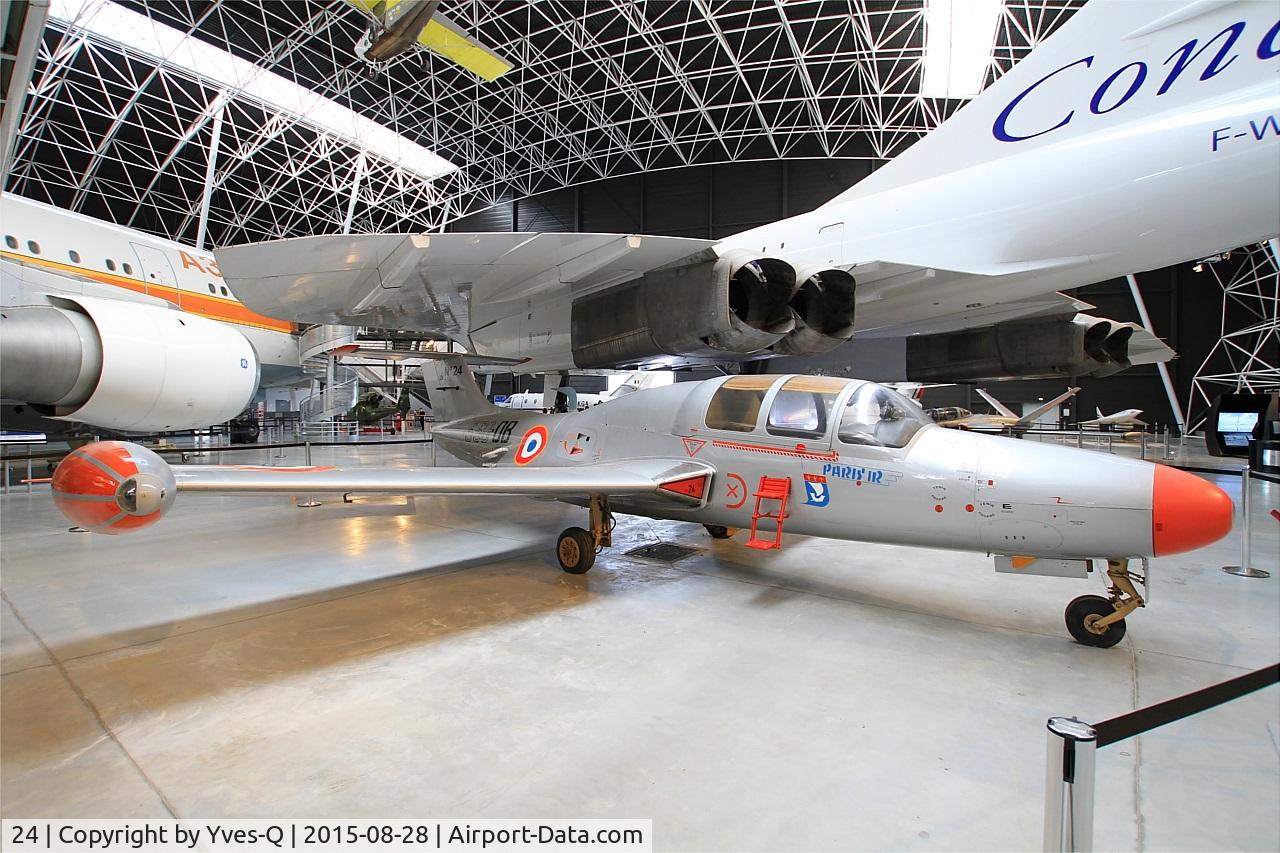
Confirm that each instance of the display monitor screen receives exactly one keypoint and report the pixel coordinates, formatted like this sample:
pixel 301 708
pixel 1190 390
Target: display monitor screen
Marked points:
pixel 1237 421
pixel 1236 439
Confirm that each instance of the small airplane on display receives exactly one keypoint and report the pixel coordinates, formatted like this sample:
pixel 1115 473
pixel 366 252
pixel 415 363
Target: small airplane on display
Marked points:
pixel 955 417
pixel 1128 418
pixel 820 456
pixel 397 25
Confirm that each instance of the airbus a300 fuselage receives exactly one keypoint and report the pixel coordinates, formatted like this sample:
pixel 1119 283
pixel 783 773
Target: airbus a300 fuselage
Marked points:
pixel 91 334
pixel 778 455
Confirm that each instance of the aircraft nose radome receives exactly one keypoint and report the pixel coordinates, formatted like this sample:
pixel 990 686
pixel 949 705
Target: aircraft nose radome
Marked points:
pixel 1187 512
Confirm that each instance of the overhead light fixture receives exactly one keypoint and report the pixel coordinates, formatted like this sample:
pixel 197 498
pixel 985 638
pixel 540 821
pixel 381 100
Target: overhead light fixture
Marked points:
pixel 959 39
pixel 216 67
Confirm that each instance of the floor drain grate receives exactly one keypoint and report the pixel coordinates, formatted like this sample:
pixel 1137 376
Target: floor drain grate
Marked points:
pixel 664 551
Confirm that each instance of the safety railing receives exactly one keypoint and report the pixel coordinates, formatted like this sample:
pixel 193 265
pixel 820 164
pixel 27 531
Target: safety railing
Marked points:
pixel 25 465
pixel 1073 746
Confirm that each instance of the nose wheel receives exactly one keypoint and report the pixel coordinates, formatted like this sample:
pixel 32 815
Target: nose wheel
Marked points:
pixel 1097 621
pixel 576 548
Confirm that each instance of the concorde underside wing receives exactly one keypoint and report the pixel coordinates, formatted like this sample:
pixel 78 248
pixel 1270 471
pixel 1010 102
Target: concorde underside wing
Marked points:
pixel 557 300
pixel 562 300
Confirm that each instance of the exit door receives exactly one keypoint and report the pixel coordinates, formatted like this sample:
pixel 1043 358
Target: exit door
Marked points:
pixel 157 273
pixel 831 242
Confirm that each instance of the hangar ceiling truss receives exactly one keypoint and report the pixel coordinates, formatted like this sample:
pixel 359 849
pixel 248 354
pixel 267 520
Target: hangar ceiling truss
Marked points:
pixel 1246 358
pixel 600 89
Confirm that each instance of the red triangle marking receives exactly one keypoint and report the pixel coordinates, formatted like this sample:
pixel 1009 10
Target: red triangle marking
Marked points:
pixel 693 487
pixel 693 445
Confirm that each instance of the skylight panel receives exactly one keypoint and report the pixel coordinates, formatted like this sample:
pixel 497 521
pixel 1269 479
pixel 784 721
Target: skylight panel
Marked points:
pixel 165 44
pixel 959 39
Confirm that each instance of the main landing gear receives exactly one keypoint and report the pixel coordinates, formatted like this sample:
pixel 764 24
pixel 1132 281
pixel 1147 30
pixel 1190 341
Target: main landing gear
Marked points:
pixel 716 531
pixel 576 548
pixel 1097 621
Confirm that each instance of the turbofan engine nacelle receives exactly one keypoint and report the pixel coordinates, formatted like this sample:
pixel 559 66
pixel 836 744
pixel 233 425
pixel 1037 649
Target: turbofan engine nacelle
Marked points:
pixel 113 487
pixel 712 307
pixel 124 365
pixel 823 305
pixel 1031 349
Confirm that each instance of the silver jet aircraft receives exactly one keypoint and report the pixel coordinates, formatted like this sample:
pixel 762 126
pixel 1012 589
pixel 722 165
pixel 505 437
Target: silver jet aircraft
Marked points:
pixel 811 455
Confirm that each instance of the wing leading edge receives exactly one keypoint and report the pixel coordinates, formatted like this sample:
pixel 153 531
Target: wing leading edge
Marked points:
pixel 665 477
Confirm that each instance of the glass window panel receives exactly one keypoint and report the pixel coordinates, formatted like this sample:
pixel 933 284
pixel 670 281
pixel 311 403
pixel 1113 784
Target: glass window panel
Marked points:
pixel 736 404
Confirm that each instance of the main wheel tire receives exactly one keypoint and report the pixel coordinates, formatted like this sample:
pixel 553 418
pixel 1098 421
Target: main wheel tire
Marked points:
pixel 1087 609
pixel 716 531
pixel 576 550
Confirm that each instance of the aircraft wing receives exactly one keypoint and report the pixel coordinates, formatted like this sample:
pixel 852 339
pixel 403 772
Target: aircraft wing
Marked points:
pixel 995 404
pixel 680 480
pixel 432 282
pixel 446 38
pixel 1032 417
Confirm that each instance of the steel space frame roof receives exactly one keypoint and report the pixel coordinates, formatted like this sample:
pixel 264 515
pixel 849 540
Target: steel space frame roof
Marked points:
pixel 600 88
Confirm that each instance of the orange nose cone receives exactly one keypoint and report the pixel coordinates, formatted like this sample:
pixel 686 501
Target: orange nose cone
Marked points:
pixel 1187 512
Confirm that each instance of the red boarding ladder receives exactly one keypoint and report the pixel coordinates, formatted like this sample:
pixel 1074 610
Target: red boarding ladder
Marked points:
pixel 771 489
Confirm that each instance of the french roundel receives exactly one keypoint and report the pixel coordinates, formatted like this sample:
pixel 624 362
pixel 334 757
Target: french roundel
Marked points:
pixel 531 445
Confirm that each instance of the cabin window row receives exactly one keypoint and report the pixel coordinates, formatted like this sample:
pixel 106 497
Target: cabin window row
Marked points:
pixel 33 247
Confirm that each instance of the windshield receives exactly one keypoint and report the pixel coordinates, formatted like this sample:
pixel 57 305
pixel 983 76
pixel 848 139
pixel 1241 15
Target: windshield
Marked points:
pixel 878 416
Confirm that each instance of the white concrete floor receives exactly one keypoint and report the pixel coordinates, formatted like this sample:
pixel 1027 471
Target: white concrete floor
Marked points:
pixel 248 658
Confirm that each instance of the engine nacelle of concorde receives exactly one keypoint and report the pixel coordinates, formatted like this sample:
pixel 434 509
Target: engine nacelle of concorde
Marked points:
pixel 1028 349
pixel 824 310
pixel 706 306
pixel 113 487
pixel 125 365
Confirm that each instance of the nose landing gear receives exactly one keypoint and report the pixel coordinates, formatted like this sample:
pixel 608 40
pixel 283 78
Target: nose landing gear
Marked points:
pixel 1097 621
pixel 576 548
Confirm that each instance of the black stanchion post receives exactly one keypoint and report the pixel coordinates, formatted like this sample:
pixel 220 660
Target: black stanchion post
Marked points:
pixel 308 501
pixel 1068 805
pixel 1245 570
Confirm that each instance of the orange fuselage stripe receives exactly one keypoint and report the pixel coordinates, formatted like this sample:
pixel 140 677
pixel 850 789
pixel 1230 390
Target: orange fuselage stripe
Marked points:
pixel 214 307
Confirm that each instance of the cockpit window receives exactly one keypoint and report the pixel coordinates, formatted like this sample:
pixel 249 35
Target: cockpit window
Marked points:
pixel 802 407
pixel 736 403
pixel 878 416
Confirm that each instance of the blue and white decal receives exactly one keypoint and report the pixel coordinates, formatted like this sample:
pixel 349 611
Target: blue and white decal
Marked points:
pixel 860 475
pixel 1194 62
pixel 816 492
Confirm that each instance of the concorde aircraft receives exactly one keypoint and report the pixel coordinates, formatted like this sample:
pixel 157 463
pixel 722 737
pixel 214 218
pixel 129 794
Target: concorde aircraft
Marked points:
pixel 817 456
pixel 1141 134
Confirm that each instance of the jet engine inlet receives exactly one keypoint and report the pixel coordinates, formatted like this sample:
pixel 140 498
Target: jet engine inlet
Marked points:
pixel 124 365
pixel 48 355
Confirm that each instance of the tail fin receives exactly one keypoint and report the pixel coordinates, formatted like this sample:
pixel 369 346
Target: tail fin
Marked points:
pixel 1032 417
pixel 1112 63
pixel 453 390
pixel 995 404
pixel 1099 411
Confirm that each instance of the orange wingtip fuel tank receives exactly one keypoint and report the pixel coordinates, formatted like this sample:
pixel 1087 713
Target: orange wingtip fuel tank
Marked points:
pixel 1186 512
pixel 113 487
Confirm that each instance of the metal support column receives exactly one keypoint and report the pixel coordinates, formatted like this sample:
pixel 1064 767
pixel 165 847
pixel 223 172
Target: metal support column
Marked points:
pixel 355 193
pixel 1068 805
pixel 1161 366
pixel 1245 570
pixel 210 168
